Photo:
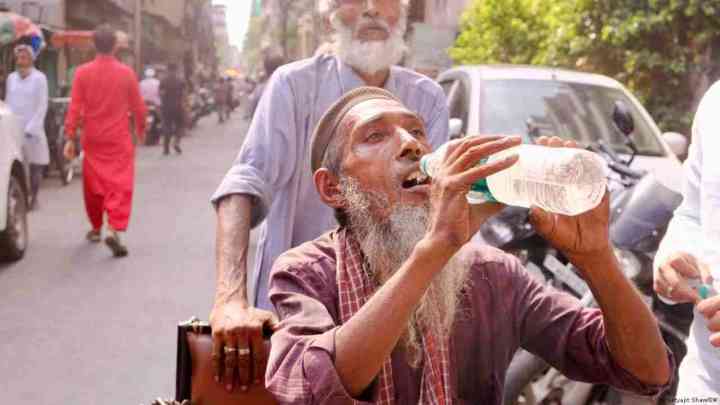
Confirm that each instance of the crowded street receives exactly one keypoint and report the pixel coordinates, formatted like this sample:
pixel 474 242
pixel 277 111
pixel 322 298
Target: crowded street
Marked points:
pixel 88 327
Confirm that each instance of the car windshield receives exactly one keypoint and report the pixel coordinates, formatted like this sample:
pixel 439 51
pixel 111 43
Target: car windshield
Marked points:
pixel 576 111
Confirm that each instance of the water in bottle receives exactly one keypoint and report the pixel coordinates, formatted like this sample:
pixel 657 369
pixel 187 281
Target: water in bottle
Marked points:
pixel 561 180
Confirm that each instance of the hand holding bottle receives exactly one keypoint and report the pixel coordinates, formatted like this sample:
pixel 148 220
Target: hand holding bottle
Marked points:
pixel 683 278
pixel 577 236
pixel 567 181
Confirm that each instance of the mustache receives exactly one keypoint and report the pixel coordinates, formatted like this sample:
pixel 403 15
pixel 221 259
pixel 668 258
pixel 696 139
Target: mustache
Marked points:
pixel 372 23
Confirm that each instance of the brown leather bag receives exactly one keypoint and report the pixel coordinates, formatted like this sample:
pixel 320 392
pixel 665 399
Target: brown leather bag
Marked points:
pixel 195 380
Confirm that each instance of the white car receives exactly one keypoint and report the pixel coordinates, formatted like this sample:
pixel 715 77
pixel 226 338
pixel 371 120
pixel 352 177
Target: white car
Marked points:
pixel 13 189
pixel 532 101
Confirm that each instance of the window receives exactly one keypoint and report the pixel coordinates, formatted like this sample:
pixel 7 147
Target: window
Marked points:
pixel 575 111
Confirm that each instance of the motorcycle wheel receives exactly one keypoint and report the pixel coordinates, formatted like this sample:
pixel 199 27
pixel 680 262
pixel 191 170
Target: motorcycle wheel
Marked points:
pixel 153 137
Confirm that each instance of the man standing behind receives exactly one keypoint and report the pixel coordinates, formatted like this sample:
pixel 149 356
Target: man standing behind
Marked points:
pixel 270 183
pixel 105 92
pixel 691 250
pixel 172 91
pixel 27 97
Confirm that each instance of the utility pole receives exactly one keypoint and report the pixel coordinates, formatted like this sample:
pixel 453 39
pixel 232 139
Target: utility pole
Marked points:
pixel 138 36
pixel 63 60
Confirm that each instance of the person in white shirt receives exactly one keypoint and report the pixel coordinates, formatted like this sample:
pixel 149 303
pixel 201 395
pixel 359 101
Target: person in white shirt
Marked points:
pixel 150 88
pixel 27 97
pixel 690 254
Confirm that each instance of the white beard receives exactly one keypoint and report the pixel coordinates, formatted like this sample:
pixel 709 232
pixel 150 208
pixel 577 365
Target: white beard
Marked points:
pixel 369 57
pixel 387 244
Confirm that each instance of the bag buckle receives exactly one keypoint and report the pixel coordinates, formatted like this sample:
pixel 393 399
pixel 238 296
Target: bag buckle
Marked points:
pixel 194 323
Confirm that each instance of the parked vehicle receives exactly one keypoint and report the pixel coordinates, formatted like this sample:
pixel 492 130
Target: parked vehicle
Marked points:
pixel 153 125
pixel 55 130
pixel 532 102
pixel 14 188
pixel 203 104
pixel 641 209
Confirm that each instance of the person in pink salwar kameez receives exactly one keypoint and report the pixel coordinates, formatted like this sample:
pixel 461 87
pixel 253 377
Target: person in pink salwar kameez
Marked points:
pixel 105 92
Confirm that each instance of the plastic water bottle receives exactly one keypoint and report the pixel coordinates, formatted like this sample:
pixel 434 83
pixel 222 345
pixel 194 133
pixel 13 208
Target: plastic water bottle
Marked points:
pixel 561 180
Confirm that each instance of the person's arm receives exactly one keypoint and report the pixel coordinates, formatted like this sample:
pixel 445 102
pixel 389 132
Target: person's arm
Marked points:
pixel 233 239
pixel 161 90
pixel 77 103
pixel 360 349
pixel 36 125
pixel 137 106
pixel 243 200
pixel 633 336
pixel 8 81
pixel 680 251
pixel 574 339
pixel 301 368
pixel 313 360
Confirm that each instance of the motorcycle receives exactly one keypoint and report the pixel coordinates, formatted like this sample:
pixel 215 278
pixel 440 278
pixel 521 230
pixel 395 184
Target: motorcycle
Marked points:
pixel 202 104
pixel 153 125
pixel 641 208
pixel 55 130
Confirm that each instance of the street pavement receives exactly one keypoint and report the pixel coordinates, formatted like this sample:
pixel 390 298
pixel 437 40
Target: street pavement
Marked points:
pixel 79 327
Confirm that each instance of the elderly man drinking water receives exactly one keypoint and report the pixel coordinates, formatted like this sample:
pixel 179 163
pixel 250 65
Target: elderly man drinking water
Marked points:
pixel 395 306
pixel 269 186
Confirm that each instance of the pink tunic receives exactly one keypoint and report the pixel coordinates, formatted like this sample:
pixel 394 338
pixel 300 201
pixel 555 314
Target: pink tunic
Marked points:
pixel 105 92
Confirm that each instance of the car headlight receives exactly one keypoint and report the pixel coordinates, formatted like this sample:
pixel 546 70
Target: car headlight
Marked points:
pixel 630 264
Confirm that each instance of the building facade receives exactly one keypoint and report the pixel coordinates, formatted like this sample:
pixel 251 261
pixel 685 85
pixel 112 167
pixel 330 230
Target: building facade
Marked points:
pixel 222 39
pixel 433 26
pixel 201 58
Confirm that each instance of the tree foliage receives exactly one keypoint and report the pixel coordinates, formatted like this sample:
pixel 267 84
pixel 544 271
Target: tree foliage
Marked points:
pixel 252 47
pixel 665 51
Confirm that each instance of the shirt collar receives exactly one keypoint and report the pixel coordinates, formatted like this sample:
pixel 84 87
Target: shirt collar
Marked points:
pixel 104 57
pixel 30 73
pixel 349 80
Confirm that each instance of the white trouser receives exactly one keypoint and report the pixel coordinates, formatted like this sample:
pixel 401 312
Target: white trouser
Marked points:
pixel 700 369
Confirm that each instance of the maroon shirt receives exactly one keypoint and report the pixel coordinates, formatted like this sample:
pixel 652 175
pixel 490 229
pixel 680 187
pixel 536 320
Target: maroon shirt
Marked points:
pixel 502 309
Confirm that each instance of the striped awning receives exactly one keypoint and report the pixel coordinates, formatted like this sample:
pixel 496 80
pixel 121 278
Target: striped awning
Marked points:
pixel 79 39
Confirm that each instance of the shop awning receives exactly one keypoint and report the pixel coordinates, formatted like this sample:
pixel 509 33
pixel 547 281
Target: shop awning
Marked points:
pixel 14 26
pixel 79 39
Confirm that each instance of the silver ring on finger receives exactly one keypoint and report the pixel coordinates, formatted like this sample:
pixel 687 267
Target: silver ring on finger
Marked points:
pixel 244 352
pixel 230 350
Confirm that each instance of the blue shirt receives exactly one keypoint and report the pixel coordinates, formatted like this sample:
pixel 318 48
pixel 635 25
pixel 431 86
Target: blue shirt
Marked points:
pixel 274 166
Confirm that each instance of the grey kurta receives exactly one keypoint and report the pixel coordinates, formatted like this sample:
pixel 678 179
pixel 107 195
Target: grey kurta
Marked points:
pixel 28 99
pixel 274 166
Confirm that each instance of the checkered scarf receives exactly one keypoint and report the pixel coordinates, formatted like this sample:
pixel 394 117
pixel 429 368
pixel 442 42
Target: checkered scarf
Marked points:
pixel 355 289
